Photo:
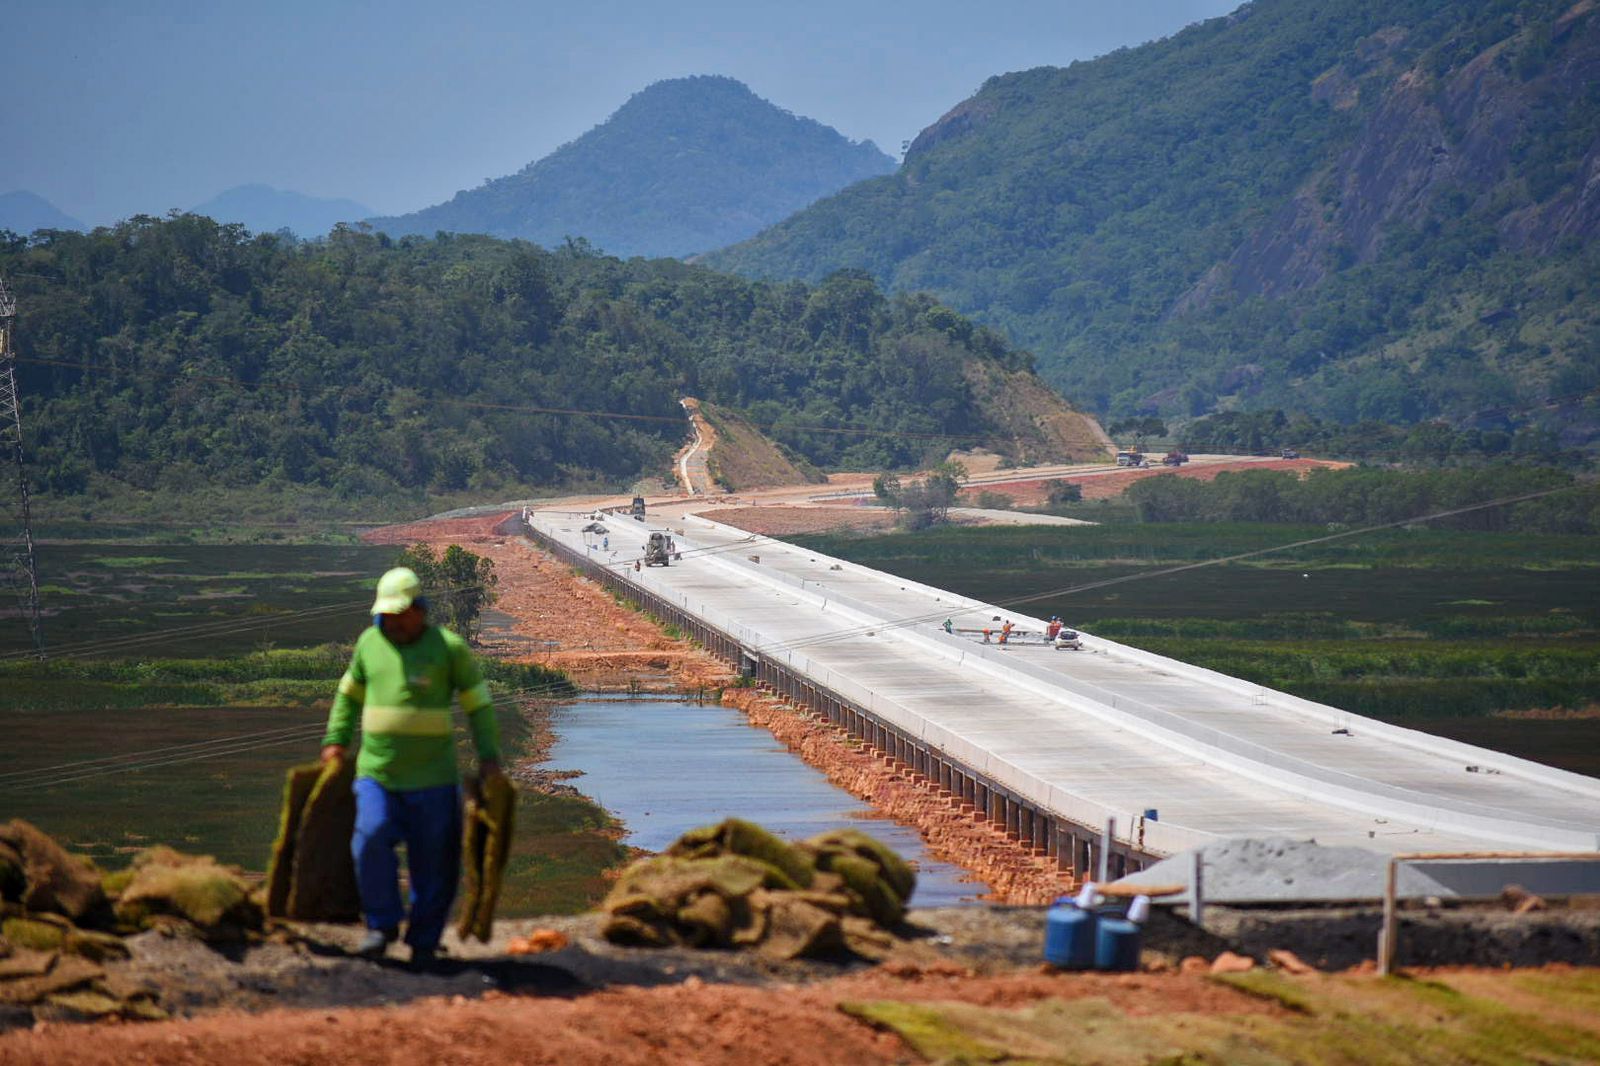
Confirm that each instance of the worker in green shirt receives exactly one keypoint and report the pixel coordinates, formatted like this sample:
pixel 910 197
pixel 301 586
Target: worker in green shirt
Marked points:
pixel 401 681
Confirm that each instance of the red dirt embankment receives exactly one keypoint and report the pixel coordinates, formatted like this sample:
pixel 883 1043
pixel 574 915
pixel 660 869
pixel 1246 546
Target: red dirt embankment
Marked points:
pixel 690 1022
pixel 563 621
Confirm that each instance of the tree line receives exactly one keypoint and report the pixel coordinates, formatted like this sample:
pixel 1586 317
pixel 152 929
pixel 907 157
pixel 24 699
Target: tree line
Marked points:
pixel 173 354
pixel 1361 496
pixel 1433 442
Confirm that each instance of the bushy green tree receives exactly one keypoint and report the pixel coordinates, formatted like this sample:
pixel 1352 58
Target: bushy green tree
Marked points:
pixel 886 487
pixel 1060 492
pixel 458 583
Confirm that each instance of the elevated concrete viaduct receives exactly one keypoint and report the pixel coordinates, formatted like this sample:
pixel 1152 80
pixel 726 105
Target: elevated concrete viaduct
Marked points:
pixel 1055 744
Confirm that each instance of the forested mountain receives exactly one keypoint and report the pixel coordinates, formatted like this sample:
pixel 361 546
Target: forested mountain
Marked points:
pixel 684 166
pixel 263 209
pixel 23 212
pixel 181 354
pixel 1357 208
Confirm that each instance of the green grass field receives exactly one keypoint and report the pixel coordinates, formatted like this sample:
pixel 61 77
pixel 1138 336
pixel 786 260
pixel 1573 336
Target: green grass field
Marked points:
pixel 1485 637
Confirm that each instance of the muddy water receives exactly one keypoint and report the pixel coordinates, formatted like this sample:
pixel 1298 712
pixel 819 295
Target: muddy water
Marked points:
pixel 663 767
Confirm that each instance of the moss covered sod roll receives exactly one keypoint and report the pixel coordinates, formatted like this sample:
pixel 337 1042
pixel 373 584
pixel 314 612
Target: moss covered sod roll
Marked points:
pixel 735 885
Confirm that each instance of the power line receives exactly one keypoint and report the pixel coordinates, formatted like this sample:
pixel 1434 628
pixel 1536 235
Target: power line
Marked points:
pixel 23 566
pixel 254 623
pixel 581 412
pixel 217 628
pixel 856 631
pixel 218 747
pixel 224 627
pixel 37 780
pixel 123 757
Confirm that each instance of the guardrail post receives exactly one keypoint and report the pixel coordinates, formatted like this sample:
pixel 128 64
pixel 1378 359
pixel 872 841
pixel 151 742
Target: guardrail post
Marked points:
pixel 1196 890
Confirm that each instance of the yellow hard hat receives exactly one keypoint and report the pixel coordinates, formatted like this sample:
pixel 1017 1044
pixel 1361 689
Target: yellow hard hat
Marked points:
pixel 397 590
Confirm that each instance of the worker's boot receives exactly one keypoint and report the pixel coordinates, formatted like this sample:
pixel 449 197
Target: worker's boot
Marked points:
pixel 376 942
pixel 426 958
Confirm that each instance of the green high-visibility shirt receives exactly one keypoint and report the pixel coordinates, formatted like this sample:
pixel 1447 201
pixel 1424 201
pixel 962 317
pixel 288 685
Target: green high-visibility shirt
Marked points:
pixel 402 693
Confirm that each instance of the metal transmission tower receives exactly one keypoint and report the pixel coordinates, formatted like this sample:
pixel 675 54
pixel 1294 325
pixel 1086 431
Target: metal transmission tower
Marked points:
pixel 20 564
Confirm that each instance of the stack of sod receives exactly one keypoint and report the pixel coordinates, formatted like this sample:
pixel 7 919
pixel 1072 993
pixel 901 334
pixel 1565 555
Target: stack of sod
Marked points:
pixel 736 885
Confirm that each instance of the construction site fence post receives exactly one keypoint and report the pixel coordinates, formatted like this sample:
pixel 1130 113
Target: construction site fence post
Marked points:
pixel 1196 890
pixel 1389 931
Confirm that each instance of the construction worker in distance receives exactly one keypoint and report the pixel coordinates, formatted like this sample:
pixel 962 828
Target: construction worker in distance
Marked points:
pixel 1052 628
pixel 401 680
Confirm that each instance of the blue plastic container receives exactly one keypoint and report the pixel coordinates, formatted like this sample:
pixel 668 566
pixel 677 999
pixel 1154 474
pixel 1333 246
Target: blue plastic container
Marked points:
pixel 1069 931
pixel 1116 945
pixel 1118 940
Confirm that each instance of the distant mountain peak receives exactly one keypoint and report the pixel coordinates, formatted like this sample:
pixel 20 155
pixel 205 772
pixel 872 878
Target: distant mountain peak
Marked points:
pixel 684 165
pixel 25 212
pixel 262 208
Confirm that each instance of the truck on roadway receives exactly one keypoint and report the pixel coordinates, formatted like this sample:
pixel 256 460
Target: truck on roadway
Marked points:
pixel 659 550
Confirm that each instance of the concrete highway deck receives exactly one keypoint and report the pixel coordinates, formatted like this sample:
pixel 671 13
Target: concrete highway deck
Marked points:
pixel 1106 732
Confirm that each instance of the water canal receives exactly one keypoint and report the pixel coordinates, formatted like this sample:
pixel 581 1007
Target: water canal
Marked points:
pixel 664 766
pixel 109 782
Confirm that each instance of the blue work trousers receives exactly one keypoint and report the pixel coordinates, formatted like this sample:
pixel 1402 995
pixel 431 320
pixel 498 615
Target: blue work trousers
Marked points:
pixel 428 820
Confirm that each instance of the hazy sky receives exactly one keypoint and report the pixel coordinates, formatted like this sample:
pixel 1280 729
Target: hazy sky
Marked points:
pixel 115 107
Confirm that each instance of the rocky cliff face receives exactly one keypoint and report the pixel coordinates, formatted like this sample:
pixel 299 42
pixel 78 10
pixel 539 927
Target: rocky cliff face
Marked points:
pixel 1375 209
pixel 1452 144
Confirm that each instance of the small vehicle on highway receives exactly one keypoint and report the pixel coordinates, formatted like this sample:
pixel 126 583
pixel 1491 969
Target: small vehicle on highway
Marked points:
pixel 660 550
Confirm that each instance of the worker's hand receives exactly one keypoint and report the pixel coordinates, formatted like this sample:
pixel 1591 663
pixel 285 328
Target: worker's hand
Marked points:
pixel 489 768
pixel 330 752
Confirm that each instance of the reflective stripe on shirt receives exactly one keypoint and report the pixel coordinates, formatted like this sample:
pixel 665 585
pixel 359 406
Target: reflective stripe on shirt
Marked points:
pixel 406 721
pixel 476 698
pixel 349 686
